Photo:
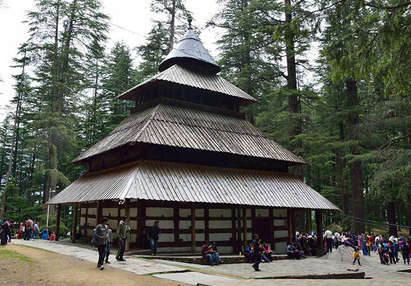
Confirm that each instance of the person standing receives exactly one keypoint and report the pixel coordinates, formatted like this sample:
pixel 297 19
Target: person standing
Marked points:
pixel 328 235
pixel 122 231
pixel 100 241
pixel 27 233
pixel 256 250
pixel 36 230
pixel 356 256
pixel 109 241
pixel 153 236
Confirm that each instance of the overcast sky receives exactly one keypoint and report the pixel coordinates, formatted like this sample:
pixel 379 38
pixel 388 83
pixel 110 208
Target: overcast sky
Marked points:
pixel 131 21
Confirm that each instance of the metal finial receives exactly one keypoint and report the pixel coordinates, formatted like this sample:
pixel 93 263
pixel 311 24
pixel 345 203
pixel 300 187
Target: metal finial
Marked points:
pixel 189 19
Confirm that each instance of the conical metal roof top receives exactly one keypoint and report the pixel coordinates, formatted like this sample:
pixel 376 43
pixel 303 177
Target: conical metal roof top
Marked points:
pixel 189 51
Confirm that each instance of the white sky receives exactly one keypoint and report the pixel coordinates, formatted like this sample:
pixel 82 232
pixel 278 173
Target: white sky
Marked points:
pixel 133 16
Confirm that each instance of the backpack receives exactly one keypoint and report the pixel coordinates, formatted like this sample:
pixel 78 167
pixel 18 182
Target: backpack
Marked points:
pixel 94 238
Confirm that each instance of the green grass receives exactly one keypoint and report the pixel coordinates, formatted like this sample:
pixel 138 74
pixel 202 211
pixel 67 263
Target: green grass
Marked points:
pixel 9 254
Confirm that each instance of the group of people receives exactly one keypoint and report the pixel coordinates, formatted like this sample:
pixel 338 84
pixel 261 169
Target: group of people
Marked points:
pixel 387 248
pixel 27 230
pixel 305 244
pixel 103 238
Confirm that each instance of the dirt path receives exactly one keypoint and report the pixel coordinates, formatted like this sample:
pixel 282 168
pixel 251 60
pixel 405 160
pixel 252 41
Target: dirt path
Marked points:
pixel 54 269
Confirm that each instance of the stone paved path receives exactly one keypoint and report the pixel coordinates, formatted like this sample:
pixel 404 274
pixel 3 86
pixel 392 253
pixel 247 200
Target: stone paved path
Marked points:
pixel 242 274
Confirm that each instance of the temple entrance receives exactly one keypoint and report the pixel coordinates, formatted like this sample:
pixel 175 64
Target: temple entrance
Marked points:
pixel 264 228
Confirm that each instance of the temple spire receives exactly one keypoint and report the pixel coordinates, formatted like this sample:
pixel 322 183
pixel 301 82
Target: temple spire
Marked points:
pixel 190 52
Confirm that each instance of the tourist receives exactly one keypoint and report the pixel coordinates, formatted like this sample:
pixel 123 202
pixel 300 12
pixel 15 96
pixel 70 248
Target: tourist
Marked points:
pixel 405 251
pixel 207 252
pixel 45 234
pixel 21 231
pixel 100 240
pixel 391 252
pixel 153 236
pixel 356 255
pixel 28 229
pixel 52 236
pixel 109 241
pixel 4 232
pixel 267 254
pixel 256 251
pixel 36 230
pixel 328 236
pixel 122 231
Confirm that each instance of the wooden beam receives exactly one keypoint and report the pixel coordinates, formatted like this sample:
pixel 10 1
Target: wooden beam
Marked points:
pixel 193 229
pixel 244 228
pixel 58 221
pixel 74 228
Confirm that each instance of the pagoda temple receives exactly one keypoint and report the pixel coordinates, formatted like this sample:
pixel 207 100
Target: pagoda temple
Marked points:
pixel 188 158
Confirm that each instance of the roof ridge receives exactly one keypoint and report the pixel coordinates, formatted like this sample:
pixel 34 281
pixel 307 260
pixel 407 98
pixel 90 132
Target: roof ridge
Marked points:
pixel 155 109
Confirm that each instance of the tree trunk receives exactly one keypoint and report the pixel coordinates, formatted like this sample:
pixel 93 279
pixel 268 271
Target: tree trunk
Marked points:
pixel 355 166
pixel 294 104
pixel 409 215
pixel 172 25
pixel 391 218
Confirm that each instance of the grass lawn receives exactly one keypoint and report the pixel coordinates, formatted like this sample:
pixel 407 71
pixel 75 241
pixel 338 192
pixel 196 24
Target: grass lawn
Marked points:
pixel 10 254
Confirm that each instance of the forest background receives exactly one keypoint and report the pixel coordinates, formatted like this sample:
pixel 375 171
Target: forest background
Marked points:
pixel 348 115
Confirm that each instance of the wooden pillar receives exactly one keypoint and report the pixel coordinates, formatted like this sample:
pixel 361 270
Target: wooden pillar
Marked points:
pixel 98 212
pixel 271 216
pixel 233 231
pixel 141 223
pixel 206 224
pixel 74 228
pixel 319 223
pixel 244 228
pixel 291 224
pixel 58 221
pixel 193 229
pixel 86 221
pixel 127 202
pixel 176 221
pixel 239 229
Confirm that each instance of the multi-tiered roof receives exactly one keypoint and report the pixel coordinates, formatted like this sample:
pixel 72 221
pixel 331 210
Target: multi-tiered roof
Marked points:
pixel 188 142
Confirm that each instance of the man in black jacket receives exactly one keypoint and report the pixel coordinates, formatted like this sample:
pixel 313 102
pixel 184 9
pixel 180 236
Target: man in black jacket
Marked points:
pixel 100 241
pixel 153 235
pixel 256 252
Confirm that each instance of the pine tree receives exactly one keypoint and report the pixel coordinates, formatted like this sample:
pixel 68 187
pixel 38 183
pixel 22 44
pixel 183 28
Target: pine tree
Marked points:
pixel 176 15
pixel 153 51
pixel 119 76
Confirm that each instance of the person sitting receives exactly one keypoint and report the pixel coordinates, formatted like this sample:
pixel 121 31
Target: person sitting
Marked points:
pixel 266 253
pixel 216 255
pixel 208 253
pixel 291 251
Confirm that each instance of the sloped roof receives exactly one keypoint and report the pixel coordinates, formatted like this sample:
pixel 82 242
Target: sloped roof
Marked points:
pixel 181 75
pixel 191 48
pixel 185 127
pixel 161 181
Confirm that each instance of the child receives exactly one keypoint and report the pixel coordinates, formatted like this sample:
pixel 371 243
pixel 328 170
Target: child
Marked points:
pixel 356 255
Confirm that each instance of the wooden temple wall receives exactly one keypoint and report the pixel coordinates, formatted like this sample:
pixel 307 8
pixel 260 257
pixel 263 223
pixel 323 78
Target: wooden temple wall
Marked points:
pixel 221 224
